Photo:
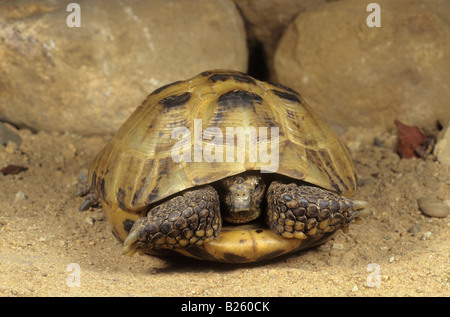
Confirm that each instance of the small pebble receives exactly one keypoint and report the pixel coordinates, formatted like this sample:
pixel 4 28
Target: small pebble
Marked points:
pixel 391 259
pixel 154 271
pixel 197 291
pixel 355 288
pixel 426 236
pixel 20 195
pixel 83 175
pixel 10 147
pixel 377 142
pixel 414 229
pixel 324 248
pixel 90 220
pixel 69 151
pixel 59 159
pixel 433 207
pixel 338 246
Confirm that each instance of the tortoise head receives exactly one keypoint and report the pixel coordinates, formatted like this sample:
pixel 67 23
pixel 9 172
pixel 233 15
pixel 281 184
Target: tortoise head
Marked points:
pixel 242 197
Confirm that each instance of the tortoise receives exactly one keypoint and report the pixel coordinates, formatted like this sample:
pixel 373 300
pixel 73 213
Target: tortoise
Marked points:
pixel 182 175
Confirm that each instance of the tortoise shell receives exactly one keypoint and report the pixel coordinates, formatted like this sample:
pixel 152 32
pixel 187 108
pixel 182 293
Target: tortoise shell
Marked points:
pixel 137 168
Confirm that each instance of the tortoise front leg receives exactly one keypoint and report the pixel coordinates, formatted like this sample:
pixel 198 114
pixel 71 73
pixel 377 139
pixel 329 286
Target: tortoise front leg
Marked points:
pixel 185 220
pixel 300 211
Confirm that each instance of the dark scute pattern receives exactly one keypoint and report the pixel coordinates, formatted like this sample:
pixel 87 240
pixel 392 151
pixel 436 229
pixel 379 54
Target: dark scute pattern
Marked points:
pixel 175 101
pixel 283 87
pixel 239 98
pixel 287 96
pixel 239 78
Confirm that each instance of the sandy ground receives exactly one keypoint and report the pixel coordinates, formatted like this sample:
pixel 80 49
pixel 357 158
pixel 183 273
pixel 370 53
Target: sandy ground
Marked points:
pixel 45 241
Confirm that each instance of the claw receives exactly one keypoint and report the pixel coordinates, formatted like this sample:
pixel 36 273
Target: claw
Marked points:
pixel 361 207
pixel 129 245
pixel 83 191
pixel 79 193
pixel 360 204
pixel 90 201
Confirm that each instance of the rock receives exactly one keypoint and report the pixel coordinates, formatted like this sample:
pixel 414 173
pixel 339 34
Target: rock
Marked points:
pixel 414 229
pixel 20 195
pixel 90 220
pixel 87 80
pixel 83 175
pixel 7 134
pixel 10 147
pixel 433 207
pixel 355 75
pixel 69 151
pixel 442 148
pixel 265 21
pixel 337 246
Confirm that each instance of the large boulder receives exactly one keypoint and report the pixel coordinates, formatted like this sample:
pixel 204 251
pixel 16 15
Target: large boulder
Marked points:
pixel 359 76
pixel 88 79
